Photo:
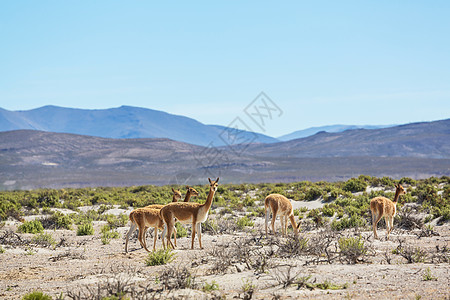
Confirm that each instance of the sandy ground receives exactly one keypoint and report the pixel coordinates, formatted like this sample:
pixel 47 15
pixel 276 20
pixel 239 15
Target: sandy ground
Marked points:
pixel 82 261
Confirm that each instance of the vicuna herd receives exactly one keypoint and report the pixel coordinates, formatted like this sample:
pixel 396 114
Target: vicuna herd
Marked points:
pixel 164 217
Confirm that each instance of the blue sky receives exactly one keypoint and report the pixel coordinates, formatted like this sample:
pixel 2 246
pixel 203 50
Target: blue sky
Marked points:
pixel 321 62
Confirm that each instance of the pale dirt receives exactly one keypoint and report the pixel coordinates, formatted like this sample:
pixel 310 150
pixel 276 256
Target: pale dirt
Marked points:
pixel 375 279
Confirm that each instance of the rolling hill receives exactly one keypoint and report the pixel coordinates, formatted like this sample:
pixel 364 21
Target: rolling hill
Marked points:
pixel 31 158
pixel 121 122
pixel 425 139
pixel 329 128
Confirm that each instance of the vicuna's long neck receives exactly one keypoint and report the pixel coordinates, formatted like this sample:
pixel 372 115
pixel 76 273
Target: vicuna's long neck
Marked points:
pixel 208 202
pixel 188 196
pixel 397 194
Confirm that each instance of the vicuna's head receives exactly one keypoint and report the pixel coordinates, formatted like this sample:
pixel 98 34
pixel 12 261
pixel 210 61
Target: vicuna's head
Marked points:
pixel 176 195
pixel 191 191
pixel 399 190
pixel 213 184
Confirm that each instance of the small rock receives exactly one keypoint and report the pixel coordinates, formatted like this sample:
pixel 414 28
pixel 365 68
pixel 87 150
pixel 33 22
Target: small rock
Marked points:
pixel 240 267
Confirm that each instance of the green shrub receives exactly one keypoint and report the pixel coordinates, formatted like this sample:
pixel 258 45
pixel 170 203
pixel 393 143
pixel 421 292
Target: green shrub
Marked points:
pixel 160 257
pixel 44 239
pixel 208 287
pixel 34 227
pixel 352 249
pixel 117 221
pixel 2 250
pixel 108 234
pixel 349 222
pixel 427 276
pixel 85 229
pixel 244 221
pixel 36 296
pixel 355 185
pixel 328 210
pixel 313 193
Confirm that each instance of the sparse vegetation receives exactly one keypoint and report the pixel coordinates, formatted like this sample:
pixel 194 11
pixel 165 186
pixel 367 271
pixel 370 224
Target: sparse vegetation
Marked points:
pixel 108 234
pixel 36 296
pixel 339 232
pixel 34 227
pixel 160 257
pixel 85 229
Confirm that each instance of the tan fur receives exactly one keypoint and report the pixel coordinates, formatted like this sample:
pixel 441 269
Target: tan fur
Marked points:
pixel 146 217
pixel 190 192
pixel 142 225
pixel 188 212
pixel 383 207
pixel 279 205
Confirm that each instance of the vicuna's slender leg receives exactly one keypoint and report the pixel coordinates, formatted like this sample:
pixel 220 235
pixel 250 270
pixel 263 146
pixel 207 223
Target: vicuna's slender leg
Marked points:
pixel 285 224
pixel 163 236
pixel 378 218
pixel 194 227
pixel 155 238
pixel 141 238
pixel 169 234
pixel 282 220
pixel 294 225
pixel 199 234
pixel 274 217
pixel 132 229
pixel 267 218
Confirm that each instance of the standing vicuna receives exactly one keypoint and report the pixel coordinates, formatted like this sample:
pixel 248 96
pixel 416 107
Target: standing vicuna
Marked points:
pixel 280 206
pixel 188 212
pixel 382 206
pixel 145 217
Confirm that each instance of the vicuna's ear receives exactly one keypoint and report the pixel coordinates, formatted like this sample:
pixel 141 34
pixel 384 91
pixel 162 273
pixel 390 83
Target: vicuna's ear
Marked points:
pixel 187 187
pixel 217 180
pixel 173 190
pixel 209 180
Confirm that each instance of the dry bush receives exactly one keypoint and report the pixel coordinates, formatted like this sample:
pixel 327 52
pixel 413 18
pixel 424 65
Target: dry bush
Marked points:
pixel 11 238
pixel 284 275
pixel 408 220
pixel 68 254
pixel 118 284
pixel 427 231
pixel 179 277
pixel 291 247
pixel 250 251
pixel 411 254
pixel 323 246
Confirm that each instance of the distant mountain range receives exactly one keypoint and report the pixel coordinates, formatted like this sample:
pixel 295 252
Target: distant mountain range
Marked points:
pixel 135 122
pixel 329 128
pixel 425 139
pixel 124 122
pixel 31 158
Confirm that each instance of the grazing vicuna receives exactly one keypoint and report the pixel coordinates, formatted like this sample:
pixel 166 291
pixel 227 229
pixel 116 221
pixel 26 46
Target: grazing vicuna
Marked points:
pixel 188 213
pixel 139 220
pixel 383 207
pixel 279 205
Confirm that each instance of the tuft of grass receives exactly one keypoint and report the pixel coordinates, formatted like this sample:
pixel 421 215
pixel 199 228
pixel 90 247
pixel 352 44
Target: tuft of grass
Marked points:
pixel 36 295
pixel 208 287
pixel 34 227
pixel 160 257
pixel 244 221
pixel 85 229
pixel 427 276
pixel 44 239
pixel 108 234
pixel 2 250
